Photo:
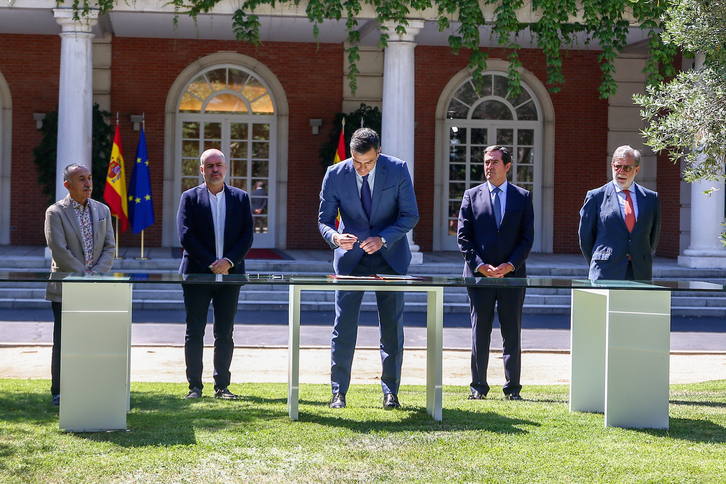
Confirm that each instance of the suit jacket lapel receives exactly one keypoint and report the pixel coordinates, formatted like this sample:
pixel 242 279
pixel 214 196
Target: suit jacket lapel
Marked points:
pixel 613 202
pixel 643 204
pixel 228 213
pixel 351 186
pixel 206 208
pixel 486 195
pixel 378 184
pixel 70 213
pixel 97 243
pixel 511 200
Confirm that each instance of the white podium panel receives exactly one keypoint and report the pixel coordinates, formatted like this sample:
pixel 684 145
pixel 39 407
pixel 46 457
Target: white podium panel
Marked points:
pixel 434 342
pixel 620 347
pixel 95 356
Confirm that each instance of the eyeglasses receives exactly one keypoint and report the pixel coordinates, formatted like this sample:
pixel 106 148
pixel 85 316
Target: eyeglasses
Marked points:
pixel 625 168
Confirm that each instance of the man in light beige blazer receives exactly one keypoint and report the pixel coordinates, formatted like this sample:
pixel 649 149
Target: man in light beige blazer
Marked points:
pixel 80 237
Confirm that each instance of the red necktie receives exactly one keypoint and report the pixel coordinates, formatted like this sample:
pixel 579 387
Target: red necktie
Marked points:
pixel 629 212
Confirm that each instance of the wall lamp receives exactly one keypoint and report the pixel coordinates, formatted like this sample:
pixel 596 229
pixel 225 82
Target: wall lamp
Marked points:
pixel 316 124
pixel 38 117
pixel 137 119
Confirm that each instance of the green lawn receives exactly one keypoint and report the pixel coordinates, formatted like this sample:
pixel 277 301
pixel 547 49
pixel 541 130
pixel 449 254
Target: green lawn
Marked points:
pixel 172 440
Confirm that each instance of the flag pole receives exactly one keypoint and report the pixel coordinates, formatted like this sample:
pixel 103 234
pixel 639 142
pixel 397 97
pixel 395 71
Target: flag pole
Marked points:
pixel 117 230
pixel 117 234
pixel 142 248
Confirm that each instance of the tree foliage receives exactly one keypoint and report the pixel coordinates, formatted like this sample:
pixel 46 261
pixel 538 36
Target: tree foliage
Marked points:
pixel 686 115
pixel 603 21
pixel 363 117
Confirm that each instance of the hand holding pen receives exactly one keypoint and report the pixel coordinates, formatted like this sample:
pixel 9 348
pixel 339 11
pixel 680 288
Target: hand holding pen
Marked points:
pixel 345 241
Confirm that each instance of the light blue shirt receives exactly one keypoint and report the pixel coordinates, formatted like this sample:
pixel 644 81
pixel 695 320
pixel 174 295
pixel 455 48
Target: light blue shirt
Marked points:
pixel 621 199
pixel 371 177
pixel 502 196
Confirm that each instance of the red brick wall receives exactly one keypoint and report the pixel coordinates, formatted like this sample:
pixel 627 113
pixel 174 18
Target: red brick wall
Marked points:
pixel 580 133
pixel 310 74
pixel 669 192
pixel 31 66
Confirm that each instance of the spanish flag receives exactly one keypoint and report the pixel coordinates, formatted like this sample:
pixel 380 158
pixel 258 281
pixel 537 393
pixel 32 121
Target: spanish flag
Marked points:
pixel 340 156
pixel 340 153
pixel 115 192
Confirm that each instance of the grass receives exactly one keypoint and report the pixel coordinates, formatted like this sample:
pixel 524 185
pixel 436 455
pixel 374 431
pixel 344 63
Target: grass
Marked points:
pixel 172 440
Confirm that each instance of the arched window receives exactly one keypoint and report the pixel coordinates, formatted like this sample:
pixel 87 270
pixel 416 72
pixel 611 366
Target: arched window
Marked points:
pixel 476 119
pixel 230 109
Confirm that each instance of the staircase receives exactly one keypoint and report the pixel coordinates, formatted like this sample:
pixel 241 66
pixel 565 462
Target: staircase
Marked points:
pixel 275 298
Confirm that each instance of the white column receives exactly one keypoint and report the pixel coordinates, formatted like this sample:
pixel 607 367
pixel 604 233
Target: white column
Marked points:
pixel 399 84
pixel 707 213
pixel 75 95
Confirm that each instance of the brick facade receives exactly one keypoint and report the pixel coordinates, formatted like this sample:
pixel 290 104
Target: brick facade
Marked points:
pixel 143 71
pixel 31 67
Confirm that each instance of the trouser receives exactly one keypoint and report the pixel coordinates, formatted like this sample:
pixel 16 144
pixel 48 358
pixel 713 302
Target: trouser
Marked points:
pixel 224 298
pixel 509 303
pixel 345 329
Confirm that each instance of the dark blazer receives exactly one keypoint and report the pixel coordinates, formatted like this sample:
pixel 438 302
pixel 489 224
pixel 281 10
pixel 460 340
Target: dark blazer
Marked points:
pixel 479 240
pixel 393 212
pixel 196 230
pixel 604 238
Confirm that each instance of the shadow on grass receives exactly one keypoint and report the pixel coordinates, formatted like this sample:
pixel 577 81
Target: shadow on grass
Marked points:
pixel 34 408
pixel 365 420
pixel 698 403
pixel 691 430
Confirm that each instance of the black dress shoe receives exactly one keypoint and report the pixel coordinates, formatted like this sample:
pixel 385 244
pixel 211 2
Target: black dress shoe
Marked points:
pixel 56 400
pixel 194 393
pixel 225 394
pixel 475 395
pixel 514 396
pixel 338 400
pixel 390 401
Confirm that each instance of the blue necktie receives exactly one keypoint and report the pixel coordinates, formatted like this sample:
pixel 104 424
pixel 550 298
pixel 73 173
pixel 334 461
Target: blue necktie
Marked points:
pixel 497 206
pixel 365 196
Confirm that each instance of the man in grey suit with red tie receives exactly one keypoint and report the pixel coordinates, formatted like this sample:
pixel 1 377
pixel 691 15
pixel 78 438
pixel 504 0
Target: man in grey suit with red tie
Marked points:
pixel 374 195
pixel 620 223
pixel 216 229
pixel 80 237
pixel 495 235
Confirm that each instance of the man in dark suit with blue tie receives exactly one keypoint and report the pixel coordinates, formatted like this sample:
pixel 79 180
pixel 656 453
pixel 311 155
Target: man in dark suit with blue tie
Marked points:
pixel 620 223
pixel 495 235
pixel 374 195
pixel 215 229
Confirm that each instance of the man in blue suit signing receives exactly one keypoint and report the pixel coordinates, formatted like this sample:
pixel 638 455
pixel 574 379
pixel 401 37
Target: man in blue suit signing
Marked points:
pixel 375 198
pixel 620 223
pixel 495 236
pixel 215 228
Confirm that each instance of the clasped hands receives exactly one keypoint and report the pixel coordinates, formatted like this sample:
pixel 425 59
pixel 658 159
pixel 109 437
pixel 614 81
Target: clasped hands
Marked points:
pixel 221 266
pixel 499 271
pixel 347 242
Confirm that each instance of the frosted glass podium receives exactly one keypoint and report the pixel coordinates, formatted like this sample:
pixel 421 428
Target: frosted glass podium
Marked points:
pixel 95 355
pixel 620 350
pixel 434 332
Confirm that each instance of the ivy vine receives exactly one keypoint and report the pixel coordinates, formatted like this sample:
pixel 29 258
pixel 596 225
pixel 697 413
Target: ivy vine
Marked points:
pixel 603 21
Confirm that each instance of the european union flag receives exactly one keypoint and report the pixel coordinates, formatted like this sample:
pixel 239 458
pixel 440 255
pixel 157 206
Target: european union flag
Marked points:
pixel 141 206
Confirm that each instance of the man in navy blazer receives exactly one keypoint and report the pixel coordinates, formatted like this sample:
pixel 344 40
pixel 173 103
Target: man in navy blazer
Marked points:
pixel 620 223
pixel 495 235
pixel 215 229
pixel 374 195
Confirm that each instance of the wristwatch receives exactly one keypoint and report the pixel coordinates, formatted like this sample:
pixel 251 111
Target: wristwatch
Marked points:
pixel 382 240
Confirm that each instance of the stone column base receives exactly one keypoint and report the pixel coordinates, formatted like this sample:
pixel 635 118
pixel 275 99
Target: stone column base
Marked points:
pixel 703 261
